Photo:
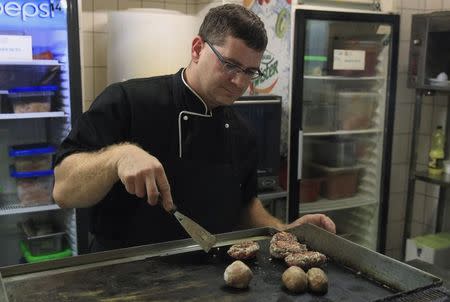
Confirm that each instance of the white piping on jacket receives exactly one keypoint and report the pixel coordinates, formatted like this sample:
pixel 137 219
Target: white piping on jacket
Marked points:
pixel 180 115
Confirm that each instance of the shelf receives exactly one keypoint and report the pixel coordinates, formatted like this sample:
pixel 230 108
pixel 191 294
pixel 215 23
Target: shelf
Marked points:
pixel 343 132
pixel 10 206
pixel 17 116
pixel 325 205
pixel 31 62
pixel 341 78
pixel 442 180
pixel 280 193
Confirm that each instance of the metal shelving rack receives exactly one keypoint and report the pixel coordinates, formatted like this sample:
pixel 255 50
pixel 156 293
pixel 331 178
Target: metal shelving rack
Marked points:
pixel 443 181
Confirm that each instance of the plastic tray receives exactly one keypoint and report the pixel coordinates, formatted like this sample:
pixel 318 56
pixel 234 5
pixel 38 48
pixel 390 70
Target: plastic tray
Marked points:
pixel 34 188
pixel 31 99
pixel 32 157
pixel 42 238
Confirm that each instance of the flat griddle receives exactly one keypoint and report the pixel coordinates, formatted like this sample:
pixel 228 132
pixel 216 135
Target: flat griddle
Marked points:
pixel 179 271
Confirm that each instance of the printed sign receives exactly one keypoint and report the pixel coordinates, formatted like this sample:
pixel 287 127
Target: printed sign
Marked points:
pixel 344 59
pixel 15 48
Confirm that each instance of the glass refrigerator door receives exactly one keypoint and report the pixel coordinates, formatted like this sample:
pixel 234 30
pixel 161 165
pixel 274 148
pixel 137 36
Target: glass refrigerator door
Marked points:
pixel 343 92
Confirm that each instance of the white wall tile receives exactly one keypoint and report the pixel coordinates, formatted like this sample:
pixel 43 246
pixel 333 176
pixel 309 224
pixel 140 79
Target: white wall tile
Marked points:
pixel 395 253
pixel 423 147
pixel 415 4
pixel 100 21
pixel 87 58
pixel 418 208
pixel 446 4
pixel 100 49
pixel 87 21
pixel 87 5
pixel 397 203
pixel 399 174
pixel 405 23
pixel 88 83
pixel 425 122
pixel 430 213
pixel 403 56
pixel 433 4
pixel 432 190
pixel 403 93
pixel 420 187
pixel 400 149
pixel 125 4
pixel 403 118
pixel 99 80
pixel 441 100
pixel 182 8
pixel 152 4
pixel 105 5
pixel 417 229
pixel 394 236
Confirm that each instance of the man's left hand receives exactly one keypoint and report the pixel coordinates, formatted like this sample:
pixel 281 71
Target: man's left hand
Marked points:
pixel 320 220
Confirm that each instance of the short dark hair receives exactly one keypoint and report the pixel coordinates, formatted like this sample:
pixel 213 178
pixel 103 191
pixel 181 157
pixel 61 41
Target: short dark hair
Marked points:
pixel 236 21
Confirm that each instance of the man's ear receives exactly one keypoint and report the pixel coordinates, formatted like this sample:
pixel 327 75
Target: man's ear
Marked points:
pixel 197 46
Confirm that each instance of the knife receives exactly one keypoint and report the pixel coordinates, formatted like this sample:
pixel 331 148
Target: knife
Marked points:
pixel 204 238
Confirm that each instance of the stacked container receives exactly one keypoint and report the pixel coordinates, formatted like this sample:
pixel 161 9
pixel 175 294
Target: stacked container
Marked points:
pixel 31 99
pixel 33 172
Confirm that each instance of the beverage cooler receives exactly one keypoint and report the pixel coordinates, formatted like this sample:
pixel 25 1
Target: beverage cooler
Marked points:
pixel 40 98
pixel 342 117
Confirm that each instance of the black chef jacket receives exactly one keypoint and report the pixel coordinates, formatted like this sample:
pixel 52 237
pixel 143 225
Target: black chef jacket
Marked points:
pixel 168 120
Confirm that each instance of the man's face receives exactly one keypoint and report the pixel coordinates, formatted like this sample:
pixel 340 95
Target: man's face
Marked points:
pixel 220 87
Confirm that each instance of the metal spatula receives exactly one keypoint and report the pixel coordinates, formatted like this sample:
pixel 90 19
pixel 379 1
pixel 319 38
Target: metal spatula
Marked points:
pixel 204 238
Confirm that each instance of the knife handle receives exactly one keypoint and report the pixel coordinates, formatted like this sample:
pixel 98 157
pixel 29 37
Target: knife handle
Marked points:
pixel 171 211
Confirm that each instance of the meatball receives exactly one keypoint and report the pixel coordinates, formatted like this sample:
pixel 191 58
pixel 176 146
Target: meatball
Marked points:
pixel 317 281
pixel 305 260
pixel 238 275
pixel 283 236
pixel 280 249
pixel 244 250
pixel 295 280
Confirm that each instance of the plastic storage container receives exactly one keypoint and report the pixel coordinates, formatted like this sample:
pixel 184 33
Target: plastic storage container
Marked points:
pixel 32 157
pixel 369 59
pixel 319 116
pixel 42 237
pixel 31 99
pixel 339 182
pixel 315 65
pixel 34 188
pixel 310 189
pixel 355 109
pixel 335 152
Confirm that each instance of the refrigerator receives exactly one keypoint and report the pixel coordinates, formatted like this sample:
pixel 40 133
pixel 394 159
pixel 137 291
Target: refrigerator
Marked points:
pixel 342 116
pixel 40 99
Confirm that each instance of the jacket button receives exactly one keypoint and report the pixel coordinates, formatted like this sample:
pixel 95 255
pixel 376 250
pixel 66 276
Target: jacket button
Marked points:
pixel 185 117
pixel 227 125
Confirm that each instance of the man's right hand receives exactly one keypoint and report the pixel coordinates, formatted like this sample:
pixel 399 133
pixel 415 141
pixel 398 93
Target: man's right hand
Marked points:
pixel 143 175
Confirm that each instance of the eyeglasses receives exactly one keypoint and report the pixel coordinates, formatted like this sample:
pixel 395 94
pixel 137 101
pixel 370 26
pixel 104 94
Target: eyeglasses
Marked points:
pixel 233 69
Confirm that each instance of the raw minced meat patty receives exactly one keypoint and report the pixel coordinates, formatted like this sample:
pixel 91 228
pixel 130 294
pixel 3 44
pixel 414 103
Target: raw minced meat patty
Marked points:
pixel 244 250
pixel 283 236
pixel 280 249
pixel 306 260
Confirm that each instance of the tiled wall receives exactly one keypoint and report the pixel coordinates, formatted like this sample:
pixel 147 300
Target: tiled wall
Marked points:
pixel 433 114
pixel 93 37
pixel 94 34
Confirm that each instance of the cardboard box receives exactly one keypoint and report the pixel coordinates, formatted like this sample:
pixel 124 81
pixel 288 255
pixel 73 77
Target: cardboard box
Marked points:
pixel 432 248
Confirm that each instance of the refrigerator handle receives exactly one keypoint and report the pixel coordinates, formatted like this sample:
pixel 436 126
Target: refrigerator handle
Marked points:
pixel 300 155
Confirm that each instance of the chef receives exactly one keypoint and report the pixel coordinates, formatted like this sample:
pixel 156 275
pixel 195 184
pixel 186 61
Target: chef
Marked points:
pixel 173 138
